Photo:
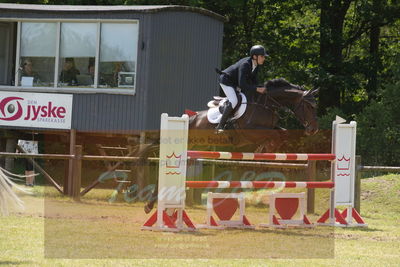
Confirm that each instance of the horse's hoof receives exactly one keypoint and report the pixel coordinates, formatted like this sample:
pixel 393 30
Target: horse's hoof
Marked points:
pixel 147 209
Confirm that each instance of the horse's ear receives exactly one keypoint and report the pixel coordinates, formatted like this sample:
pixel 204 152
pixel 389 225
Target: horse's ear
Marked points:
pixel 314 92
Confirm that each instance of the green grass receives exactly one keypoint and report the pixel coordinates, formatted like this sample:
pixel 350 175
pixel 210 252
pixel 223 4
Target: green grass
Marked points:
pixel 55 231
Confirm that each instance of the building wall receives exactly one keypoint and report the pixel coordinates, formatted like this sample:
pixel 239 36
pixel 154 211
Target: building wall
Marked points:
pixel 185 49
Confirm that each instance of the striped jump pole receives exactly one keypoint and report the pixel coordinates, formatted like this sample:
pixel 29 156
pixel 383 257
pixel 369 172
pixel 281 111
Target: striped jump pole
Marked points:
pixel 257 156
pixel 257 184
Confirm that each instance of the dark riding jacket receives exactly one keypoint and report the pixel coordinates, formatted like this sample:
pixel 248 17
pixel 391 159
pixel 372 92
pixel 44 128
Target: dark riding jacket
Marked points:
pixel 241 75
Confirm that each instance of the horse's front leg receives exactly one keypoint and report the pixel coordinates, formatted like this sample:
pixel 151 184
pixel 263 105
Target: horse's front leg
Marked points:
pixel 150 204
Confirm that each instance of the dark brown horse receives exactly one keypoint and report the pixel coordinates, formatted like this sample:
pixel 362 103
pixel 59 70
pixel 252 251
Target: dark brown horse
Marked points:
pixel 259 122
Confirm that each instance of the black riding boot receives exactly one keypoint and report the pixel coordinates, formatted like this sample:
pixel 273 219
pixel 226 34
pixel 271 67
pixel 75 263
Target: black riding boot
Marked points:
pixel 227 111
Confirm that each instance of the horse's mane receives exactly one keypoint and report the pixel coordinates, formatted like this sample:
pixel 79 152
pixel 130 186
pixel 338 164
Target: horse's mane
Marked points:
pixel 282 88
pixel 281 84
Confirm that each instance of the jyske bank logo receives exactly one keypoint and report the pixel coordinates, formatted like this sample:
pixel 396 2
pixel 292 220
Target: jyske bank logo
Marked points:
pixel 11 108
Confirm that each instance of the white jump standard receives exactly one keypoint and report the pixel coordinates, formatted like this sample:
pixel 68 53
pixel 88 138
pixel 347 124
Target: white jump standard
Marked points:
pixel 343 175
pixel 170 214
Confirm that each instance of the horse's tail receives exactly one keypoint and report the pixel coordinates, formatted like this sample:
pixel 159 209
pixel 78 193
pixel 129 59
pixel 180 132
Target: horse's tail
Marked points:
pixel 7 196
pixel 145 149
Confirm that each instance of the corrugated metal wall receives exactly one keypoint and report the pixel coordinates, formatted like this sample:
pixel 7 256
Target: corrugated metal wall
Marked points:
pixel 184 50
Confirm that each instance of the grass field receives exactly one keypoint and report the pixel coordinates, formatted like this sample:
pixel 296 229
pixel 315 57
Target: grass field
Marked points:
pixel 55 231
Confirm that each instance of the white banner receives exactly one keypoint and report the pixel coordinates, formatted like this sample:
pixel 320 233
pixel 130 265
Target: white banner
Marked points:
pixel 52 111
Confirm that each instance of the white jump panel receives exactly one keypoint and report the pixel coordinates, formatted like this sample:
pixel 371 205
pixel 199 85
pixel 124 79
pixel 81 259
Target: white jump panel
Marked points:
pixel 344 147
pixel 173 158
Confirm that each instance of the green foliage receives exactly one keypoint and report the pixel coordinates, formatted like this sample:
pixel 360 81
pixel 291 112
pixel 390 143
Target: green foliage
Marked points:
pixel 325 121
pixel 379 127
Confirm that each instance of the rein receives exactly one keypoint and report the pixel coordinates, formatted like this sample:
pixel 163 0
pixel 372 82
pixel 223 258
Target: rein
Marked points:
pixel 266 106
pixel 303 119
pixel 286 109
pixel 274 105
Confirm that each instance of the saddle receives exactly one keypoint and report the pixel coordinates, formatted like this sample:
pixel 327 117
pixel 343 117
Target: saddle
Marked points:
pixel 217 106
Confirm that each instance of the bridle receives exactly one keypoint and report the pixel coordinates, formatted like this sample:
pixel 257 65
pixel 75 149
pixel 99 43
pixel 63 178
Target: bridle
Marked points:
pixel 301 104
pixel 302 117
pixel 270 103
pixel 266 106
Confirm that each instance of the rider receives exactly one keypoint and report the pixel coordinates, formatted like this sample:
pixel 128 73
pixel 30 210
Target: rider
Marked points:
pixel 241 76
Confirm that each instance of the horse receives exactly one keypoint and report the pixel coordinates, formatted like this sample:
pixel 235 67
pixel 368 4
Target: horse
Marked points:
pixel 259 122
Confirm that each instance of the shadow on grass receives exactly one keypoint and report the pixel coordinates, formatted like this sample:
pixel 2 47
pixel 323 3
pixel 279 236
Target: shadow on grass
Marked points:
pixel 194 233
pixel 14 263
pixel 296 232
pixel 292 232
pixel 259 205
pixel 194 207
pixel 365 229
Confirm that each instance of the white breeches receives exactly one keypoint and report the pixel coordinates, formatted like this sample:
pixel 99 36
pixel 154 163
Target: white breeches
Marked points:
pixel 230 93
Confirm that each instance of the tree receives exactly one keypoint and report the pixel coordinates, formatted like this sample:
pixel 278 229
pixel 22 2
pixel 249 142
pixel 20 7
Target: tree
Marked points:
pixel 341 30
pixel 332 19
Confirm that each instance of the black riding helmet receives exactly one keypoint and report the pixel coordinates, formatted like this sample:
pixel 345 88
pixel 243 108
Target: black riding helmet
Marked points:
pixel 257 50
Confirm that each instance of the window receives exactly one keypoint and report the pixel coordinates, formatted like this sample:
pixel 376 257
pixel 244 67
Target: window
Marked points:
pixel 77 55
pixel 37 56
pixel 6 53
pixel 118 48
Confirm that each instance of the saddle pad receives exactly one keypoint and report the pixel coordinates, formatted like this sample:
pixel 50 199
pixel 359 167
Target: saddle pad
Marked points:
pixel 214 116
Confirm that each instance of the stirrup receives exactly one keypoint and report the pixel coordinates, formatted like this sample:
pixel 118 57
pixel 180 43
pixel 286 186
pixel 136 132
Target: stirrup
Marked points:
pixel 219 130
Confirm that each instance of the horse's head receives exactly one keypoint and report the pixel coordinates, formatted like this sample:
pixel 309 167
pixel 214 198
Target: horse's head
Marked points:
pixel 306 111
pixel 294 97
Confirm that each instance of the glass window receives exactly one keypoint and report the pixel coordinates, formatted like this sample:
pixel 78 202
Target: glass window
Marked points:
pixel 6 51
pixel 118 55
pixel 77 54
pixel 37 54
pixel 79 46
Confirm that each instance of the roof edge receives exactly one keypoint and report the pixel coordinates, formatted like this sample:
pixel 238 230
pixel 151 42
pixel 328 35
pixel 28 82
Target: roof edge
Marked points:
pixel 116 8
